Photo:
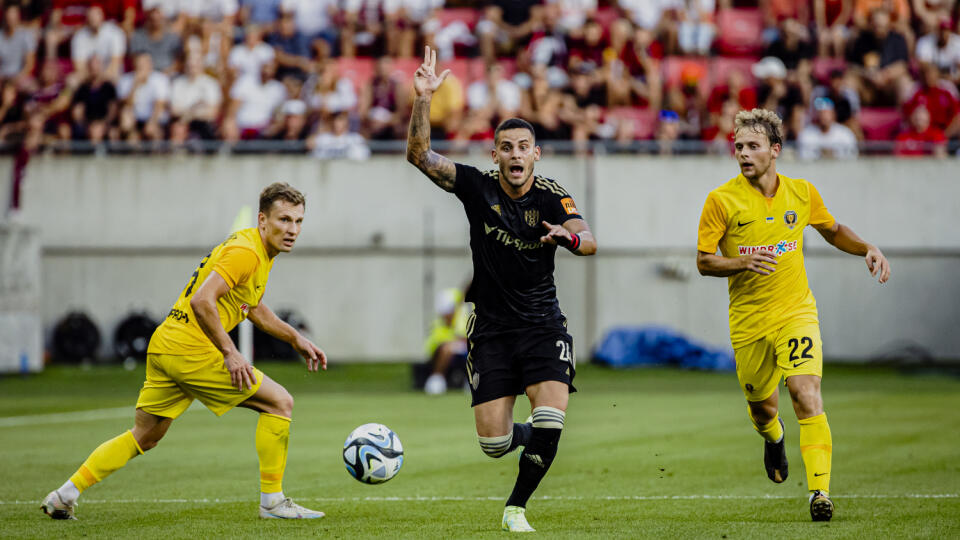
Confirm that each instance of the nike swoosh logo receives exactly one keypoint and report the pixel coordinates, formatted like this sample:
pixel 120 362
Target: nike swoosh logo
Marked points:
pixel 820 474
pixel 800 363
pixel 739 224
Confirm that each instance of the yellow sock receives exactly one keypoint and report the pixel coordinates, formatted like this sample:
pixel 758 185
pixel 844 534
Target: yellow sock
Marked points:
pixel 107 458
pixel 816 447
pixel 771 432
pixel 273 435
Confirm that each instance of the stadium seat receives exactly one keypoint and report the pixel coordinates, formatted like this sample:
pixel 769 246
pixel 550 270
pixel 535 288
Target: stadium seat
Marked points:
pixel 644 120
pixel 720 68
pixel 358 70
pixel 469 16
pixel 822 66
pixel 672 68
pixel 605 16
pixel 739 32
pixel 880 124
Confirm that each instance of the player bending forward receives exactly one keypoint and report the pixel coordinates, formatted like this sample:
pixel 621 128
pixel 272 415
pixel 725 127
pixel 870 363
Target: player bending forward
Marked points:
pixel 757 219
pixel 517 338
pixel 191 356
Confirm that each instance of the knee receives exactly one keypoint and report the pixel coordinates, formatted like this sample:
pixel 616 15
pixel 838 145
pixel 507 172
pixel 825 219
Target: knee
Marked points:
pixel 496 447
pixel 284 405
pixel 807 401
pixel 147 441
pixel 762 412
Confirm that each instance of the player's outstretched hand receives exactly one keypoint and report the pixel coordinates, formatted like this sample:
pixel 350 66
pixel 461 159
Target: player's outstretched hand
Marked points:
pixel 425 79
pixel 877 264
pixel 761 262
pixel 556 234
pixel 314 355
pixel 241 372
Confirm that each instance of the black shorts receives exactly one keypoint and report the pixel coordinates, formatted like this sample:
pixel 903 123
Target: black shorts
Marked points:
pixel 504 363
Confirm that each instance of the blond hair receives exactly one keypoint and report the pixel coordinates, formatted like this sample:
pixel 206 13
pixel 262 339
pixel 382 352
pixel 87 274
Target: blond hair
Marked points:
pixel 761 121
pixel 280 191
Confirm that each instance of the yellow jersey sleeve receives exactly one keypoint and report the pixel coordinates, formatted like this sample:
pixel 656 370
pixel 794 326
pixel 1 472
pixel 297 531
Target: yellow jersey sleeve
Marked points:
pixel 713 225
pixel 820 217
pixel 236 265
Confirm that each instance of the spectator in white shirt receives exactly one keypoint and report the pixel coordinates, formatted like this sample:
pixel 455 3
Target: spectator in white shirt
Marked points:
pixel 332 94
pixel 146 92
pixel 195 100
pixel 340 143
pixel 314 18
pixel 253 104
pixel 18 47
pixel 249 57
pixel 498 96
pixel 405 20
pixel 941 48
pixel 825 138
pixel 101 38
pixel 212 10
pixel 696 30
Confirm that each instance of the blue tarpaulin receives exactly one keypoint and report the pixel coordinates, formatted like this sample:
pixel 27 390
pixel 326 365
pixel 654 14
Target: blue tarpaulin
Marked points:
pixel 632 346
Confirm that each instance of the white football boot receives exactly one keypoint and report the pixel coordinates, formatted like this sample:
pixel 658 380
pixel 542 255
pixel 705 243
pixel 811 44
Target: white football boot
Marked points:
pixel 515 520
pixel 287 509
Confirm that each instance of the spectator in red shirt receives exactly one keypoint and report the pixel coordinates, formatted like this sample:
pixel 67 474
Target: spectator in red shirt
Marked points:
pixel 940 98
pixel 735 89
pixel 921 138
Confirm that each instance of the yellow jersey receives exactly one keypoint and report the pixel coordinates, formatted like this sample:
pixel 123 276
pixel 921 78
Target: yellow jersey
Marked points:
pixel 740 220
pixel 242 261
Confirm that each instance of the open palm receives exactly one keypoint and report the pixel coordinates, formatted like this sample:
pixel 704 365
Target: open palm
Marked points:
pixel 425 80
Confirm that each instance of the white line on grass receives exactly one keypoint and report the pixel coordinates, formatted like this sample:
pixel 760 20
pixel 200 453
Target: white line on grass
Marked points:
pixel 75 416
pixel 499 498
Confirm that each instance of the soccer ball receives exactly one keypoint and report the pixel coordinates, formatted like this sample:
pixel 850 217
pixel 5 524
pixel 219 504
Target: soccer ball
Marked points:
pixel 373 454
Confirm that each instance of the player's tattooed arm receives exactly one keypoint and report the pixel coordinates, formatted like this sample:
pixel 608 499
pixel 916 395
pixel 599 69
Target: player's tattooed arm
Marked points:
pixel 439 169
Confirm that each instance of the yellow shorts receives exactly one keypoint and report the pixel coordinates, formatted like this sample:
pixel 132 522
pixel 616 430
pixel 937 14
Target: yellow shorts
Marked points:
pixel 794 349
pixel 174 381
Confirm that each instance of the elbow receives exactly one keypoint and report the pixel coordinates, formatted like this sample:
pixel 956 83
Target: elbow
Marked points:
pixel 702 267
pixel 197 304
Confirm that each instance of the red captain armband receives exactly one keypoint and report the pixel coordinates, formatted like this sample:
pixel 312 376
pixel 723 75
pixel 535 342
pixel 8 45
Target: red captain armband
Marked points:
pixel 574 242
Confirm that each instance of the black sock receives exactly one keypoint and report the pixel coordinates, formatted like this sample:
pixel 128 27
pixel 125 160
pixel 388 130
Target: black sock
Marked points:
pixel 521 435
pixel 534 463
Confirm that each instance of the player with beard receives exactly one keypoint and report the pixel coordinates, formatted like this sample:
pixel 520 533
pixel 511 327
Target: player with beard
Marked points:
pixel 757 220
pixel 517 338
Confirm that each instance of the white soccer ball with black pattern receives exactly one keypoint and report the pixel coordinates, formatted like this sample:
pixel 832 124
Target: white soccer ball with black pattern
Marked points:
pixel 373 454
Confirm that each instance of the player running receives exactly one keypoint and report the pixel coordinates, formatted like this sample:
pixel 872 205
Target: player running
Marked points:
pixel 757 220
pixel 517 338
pixel 191 356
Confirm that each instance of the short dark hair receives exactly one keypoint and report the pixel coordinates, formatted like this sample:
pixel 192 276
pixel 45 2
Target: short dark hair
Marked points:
pixel 514 123
pixel 280 191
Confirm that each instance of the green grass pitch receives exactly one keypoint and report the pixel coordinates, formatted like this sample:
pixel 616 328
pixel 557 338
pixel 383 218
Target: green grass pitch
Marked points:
pixel 648 453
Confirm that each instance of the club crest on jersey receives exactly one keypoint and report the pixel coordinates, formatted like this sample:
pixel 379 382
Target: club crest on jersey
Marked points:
pixel 495 208
pixel 790 218
pixel 244 308
pixel 777 249
pixel 531 217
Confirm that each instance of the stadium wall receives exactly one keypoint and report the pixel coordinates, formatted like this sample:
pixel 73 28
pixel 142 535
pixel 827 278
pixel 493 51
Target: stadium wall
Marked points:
pixel 125 233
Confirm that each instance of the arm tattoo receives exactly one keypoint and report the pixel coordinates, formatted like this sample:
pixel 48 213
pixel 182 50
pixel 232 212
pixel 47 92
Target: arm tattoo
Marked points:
pixel 439 169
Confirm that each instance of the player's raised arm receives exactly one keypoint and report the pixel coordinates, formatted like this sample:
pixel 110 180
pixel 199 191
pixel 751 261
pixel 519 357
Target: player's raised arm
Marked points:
pixel 267 320
pixel 844 239
pixel 441 170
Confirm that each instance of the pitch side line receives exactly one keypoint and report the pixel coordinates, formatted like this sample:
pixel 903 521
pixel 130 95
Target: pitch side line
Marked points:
pixel 76 416
pixel 500 498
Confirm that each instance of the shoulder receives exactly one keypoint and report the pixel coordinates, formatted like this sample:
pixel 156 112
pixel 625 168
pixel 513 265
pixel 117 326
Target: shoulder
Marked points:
pixel 549 185
pixel 801 187
pixel 726 189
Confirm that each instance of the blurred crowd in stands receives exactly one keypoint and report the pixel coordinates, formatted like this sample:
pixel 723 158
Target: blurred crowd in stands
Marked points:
pixel 333 74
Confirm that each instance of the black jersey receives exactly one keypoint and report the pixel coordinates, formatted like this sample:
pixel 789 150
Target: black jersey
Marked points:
pixel 512 270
